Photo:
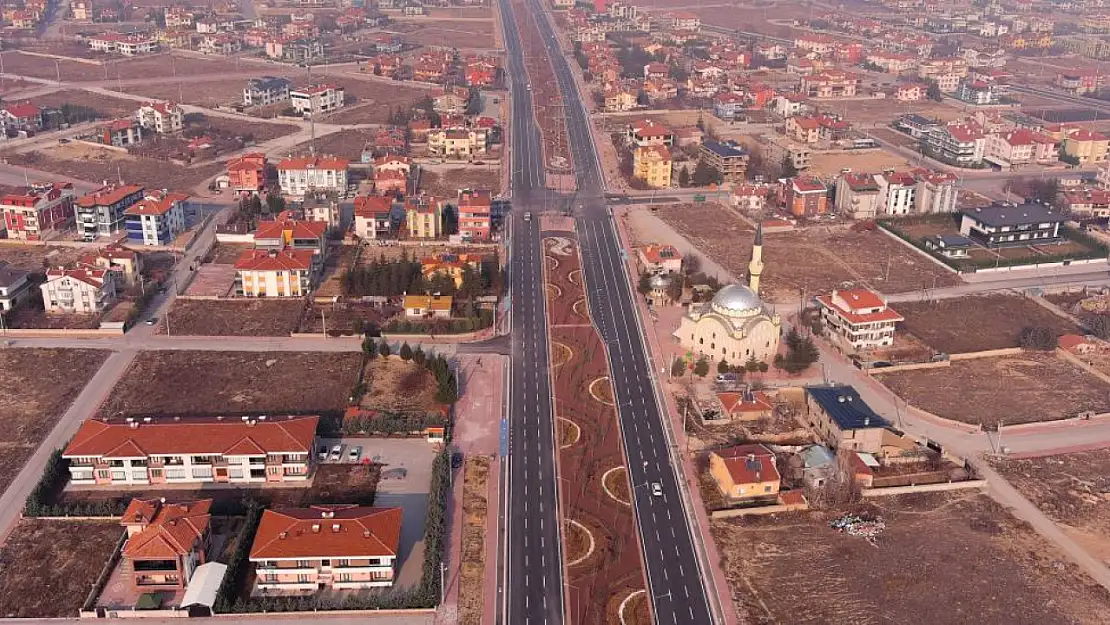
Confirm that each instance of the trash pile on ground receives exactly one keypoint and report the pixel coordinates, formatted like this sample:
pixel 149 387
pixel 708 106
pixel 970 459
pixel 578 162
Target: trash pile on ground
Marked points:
pixel 859 525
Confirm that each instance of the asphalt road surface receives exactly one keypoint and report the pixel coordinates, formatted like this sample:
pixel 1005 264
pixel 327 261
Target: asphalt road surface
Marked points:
pixel 531 568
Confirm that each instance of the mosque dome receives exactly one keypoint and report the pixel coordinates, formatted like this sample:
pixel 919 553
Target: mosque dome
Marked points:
pixel 736 300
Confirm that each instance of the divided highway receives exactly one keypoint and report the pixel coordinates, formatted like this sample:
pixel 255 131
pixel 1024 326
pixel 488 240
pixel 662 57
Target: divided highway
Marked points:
pixel 531 562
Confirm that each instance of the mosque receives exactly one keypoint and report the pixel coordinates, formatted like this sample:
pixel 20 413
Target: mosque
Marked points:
pixel 734 325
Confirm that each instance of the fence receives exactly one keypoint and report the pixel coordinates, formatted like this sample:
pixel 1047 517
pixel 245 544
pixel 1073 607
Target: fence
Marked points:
pixel 922 488
pixel 105 573
pixel 772 509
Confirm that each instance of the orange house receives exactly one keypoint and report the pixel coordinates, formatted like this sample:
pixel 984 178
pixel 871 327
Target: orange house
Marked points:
pixel 166 542
pixel 247 172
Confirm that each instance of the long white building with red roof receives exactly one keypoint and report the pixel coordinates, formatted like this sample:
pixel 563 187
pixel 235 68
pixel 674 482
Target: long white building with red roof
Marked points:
pixel 172 450
pixel 299 175
pixel 78 291
pixel 859 318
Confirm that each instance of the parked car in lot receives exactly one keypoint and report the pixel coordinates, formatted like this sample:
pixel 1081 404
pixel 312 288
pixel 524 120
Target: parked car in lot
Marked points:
pixel 354 453
pixel 322 453
pixel 336 453
pixel 456 460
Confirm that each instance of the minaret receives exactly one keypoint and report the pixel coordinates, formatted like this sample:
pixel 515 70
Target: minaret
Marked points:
pixel 755 267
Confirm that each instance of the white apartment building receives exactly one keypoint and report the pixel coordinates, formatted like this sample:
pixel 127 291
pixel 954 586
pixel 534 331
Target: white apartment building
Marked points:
pixel 937 192
pixel 161 117
pixel 858 318
pixel 157 219
pixel 78 291
pixel 896 193
pixel 126 45
pixel 317 99
pixel 266 90
pixel 300 175
pixel 857 195
pixel 184 450
pixel 274 273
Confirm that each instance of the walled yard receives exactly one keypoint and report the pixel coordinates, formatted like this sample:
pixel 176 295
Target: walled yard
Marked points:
pixel 48 567
pixel 1072 490
pixel 814 260
pixel 396 385
pixel 274 383
pixel 943 558
pixel 94 164
pixel 1033 386
pixel 977 323
pixel 38 386
pixel 240 317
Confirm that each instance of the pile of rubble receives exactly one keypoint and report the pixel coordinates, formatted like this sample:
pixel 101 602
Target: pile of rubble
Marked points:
pixel 859 525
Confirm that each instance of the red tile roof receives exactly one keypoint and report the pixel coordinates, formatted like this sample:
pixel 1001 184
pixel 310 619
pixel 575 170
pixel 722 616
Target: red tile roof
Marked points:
pixel 22 109
pixel 327 531
pixel 737 402
pixel 319 162
pixel 170 529
pixel 92 277
pixel 749 464
pixel 860 299
pixel 267 260
pixel 108 195
pixel 808 184
pixel 372 205
pixel 656 254
pixel 196 436
pixel 156 206
pixel 299 229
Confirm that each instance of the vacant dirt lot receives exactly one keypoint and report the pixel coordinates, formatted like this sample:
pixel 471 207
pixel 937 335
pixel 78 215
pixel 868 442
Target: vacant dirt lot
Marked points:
pixel 157 65
pixel 448 33
pixel 380 96
pixel 447 182
pixel 974 324
pixel 32 257
pixel 47 567
pixel 347 144
pixel 107 106
pixel 38 385
pixel 1035 386
pixel 475 508
pixel 93 164
pixel 815 259
pixel 1073 490
pixel 397 386
pixel 207 93
pixel 259 131
pixel 958 558
pixel 872 160
pixel 167 382
pixel 246 317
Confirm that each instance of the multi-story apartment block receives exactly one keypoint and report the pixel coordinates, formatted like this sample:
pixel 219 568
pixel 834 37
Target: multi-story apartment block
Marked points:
pixel 947 72
pixel 423 217
pixel 317 99
pixel 987 57
pixel 191 450
pixel 287 232
pixel 266 90
pixel 166 542
pixel 123 264
pixel 373 216
pixel 1019 147
pixel 275 273
pixel 959 144
pixel 120 133
pixel 843 420
pixel 161 117
pixel 299 175
pixel 806 196
pixel 126 45
pixel 937 192
pixel 647 132
pixel 335 546
pixel 896 193
pixel 1078 81
pixel 857 195
pixel 101 213
pixel 13 285
pixel 892 62
pixel 38 211
pixel 729 158
pixel 830 84
pixel 729 106
pixel 978 92
pixel 157 219
pixel 858 318
pixel 458 142
pixel 247 172
pixel 652 164
pixel 1088 146
pixel 474 213
pixel 1001 225
pixel 1086 202
pixel 78 291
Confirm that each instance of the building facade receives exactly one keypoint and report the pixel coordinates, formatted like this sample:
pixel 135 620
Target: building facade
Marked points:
pixel 161 117
pixel 843 420
pixel 474 210
pixel 1002 225
pixel 78 291
pixel 317 99
pixel 101 213
pixel 859 318
pixel 166 542
pixel 266 90
pixel 38 211
pixel 157 219
pixel 299 175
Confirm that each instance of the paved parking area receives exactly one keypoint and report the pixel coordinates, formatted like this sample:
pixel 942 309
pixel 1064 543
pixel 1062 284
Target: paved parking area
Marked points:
pixel 479 409
pixel 406 477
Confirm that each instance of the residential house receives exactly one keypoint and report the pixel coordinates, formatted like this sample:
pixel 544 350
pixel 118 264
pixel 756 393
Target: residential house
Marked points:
pixel 333 547
pixel 842 419
pixel 124 265
pixel 373 216
pixel 858 196
pixel 453 266
pixel 892 62
pixel 620 100
pixel 474 214
pixel 818 465
pixel 859 318
pixel 803 129
pixel 322 207
pixel 790 104
pixel 747 405
pixel 1078 81
pixel 390 181
pixel 38 211
pixel 1001 225
pixel 729 158
pixel 745 472
pixel 463 143
pixel 317 99
pixel 392 162
pixel 13 285
pixel 166 542
pixel 191 450
pixel 896 193
pixel 161 117
pixel 450 102
pixel 652 165
pixel 287 232
pixel 1019 147
pixel 77 291
pixel 434 306
pixel 729 106
pixel 120 133
pixel 657 258
pixel 830 84
pixel 985 58
pixel 978 92
pixel 224 44
pixel 157 219
pixel 1088 146
pixel 266 90
pixel 299 175
pixel 22 116
pixel 294 49
pixel 275 273
pixel 1086 203
pixel 910 92
pixel 958 144
pixel 950 245
pixel 247 173
pixel 917 126
pixel 937 192
pixel 806 196
pixel 648 132
pixel 126 45
pixel 423 217
pixel 101 213
pixel 749 197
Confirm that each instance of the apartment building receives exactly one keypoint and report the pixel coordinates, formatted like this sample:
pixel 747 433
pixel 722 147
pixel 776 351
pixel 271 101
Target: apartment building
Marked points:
pixel 126 45
pixel 322 207
pixel 101 213
pixel 299 175
pixel 1001 225
pixel 191 450
pixel 275 273
pixel 652 164
pixel 946 72
pixel 729 106
pixel 474 209
pixel 857 196
pixel 336 546
pixel 423 217
pixel 806 196
pixel 1078 81
pixel 161 117
pixel 458 142
pixel 892 62
pixel 803 129
pixel 647 132
pixel 858 318
pixel 843 420
pixel 124 265
pixel 266 90
pixel 937 192
pixel 13 285
pixel 1019 147
pixel 1086 203
pixel 317 99
pixel 1088 146
pixel 959 144
pixel 897 192
pixel 286 232
pixel 120 133
pixel 78 291
pixel 727 157
pixel 247 173
pixel 830 84
pixel 38 211
pixel 157 219
pixel 373 216
pixel 166 542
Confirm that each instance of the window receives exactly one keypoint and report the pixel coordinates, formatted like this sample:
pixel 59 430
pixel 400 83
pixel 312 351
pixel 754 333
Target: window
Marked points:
pixel 302 578
pixel 301 564
pixel 766 489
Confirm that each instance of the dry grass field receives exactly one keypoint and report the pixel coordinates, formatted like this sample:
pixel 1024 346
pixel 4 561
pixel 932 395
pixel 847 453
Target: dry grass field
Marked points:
pixel 943 558
pixel 464 33
pixel 977 323
pixel 447 182
pixel 94 164
pixel 106 105
pixel 241 317
pixel 1035 386
pixel 475 508
pixel 394 385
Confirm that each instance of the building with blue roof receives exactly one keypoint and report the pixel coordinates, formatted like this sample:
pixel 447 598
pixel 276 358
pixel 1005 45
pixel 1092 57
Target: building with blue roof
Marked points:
pixel 840 417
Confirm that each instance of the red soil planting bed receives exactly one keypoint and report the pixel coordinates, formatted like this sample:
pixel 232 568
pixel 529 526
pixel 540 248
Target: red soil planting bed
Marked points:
pixel 546 98
pixel 561 292
pixel 600 582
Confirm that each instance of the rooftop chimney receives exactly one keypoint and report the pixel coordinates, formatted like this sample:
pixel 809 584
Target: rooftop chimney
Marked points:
pixel 867 420
pixel 316 528
pixel 283 535
pixel 366 533
pixel 335 527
